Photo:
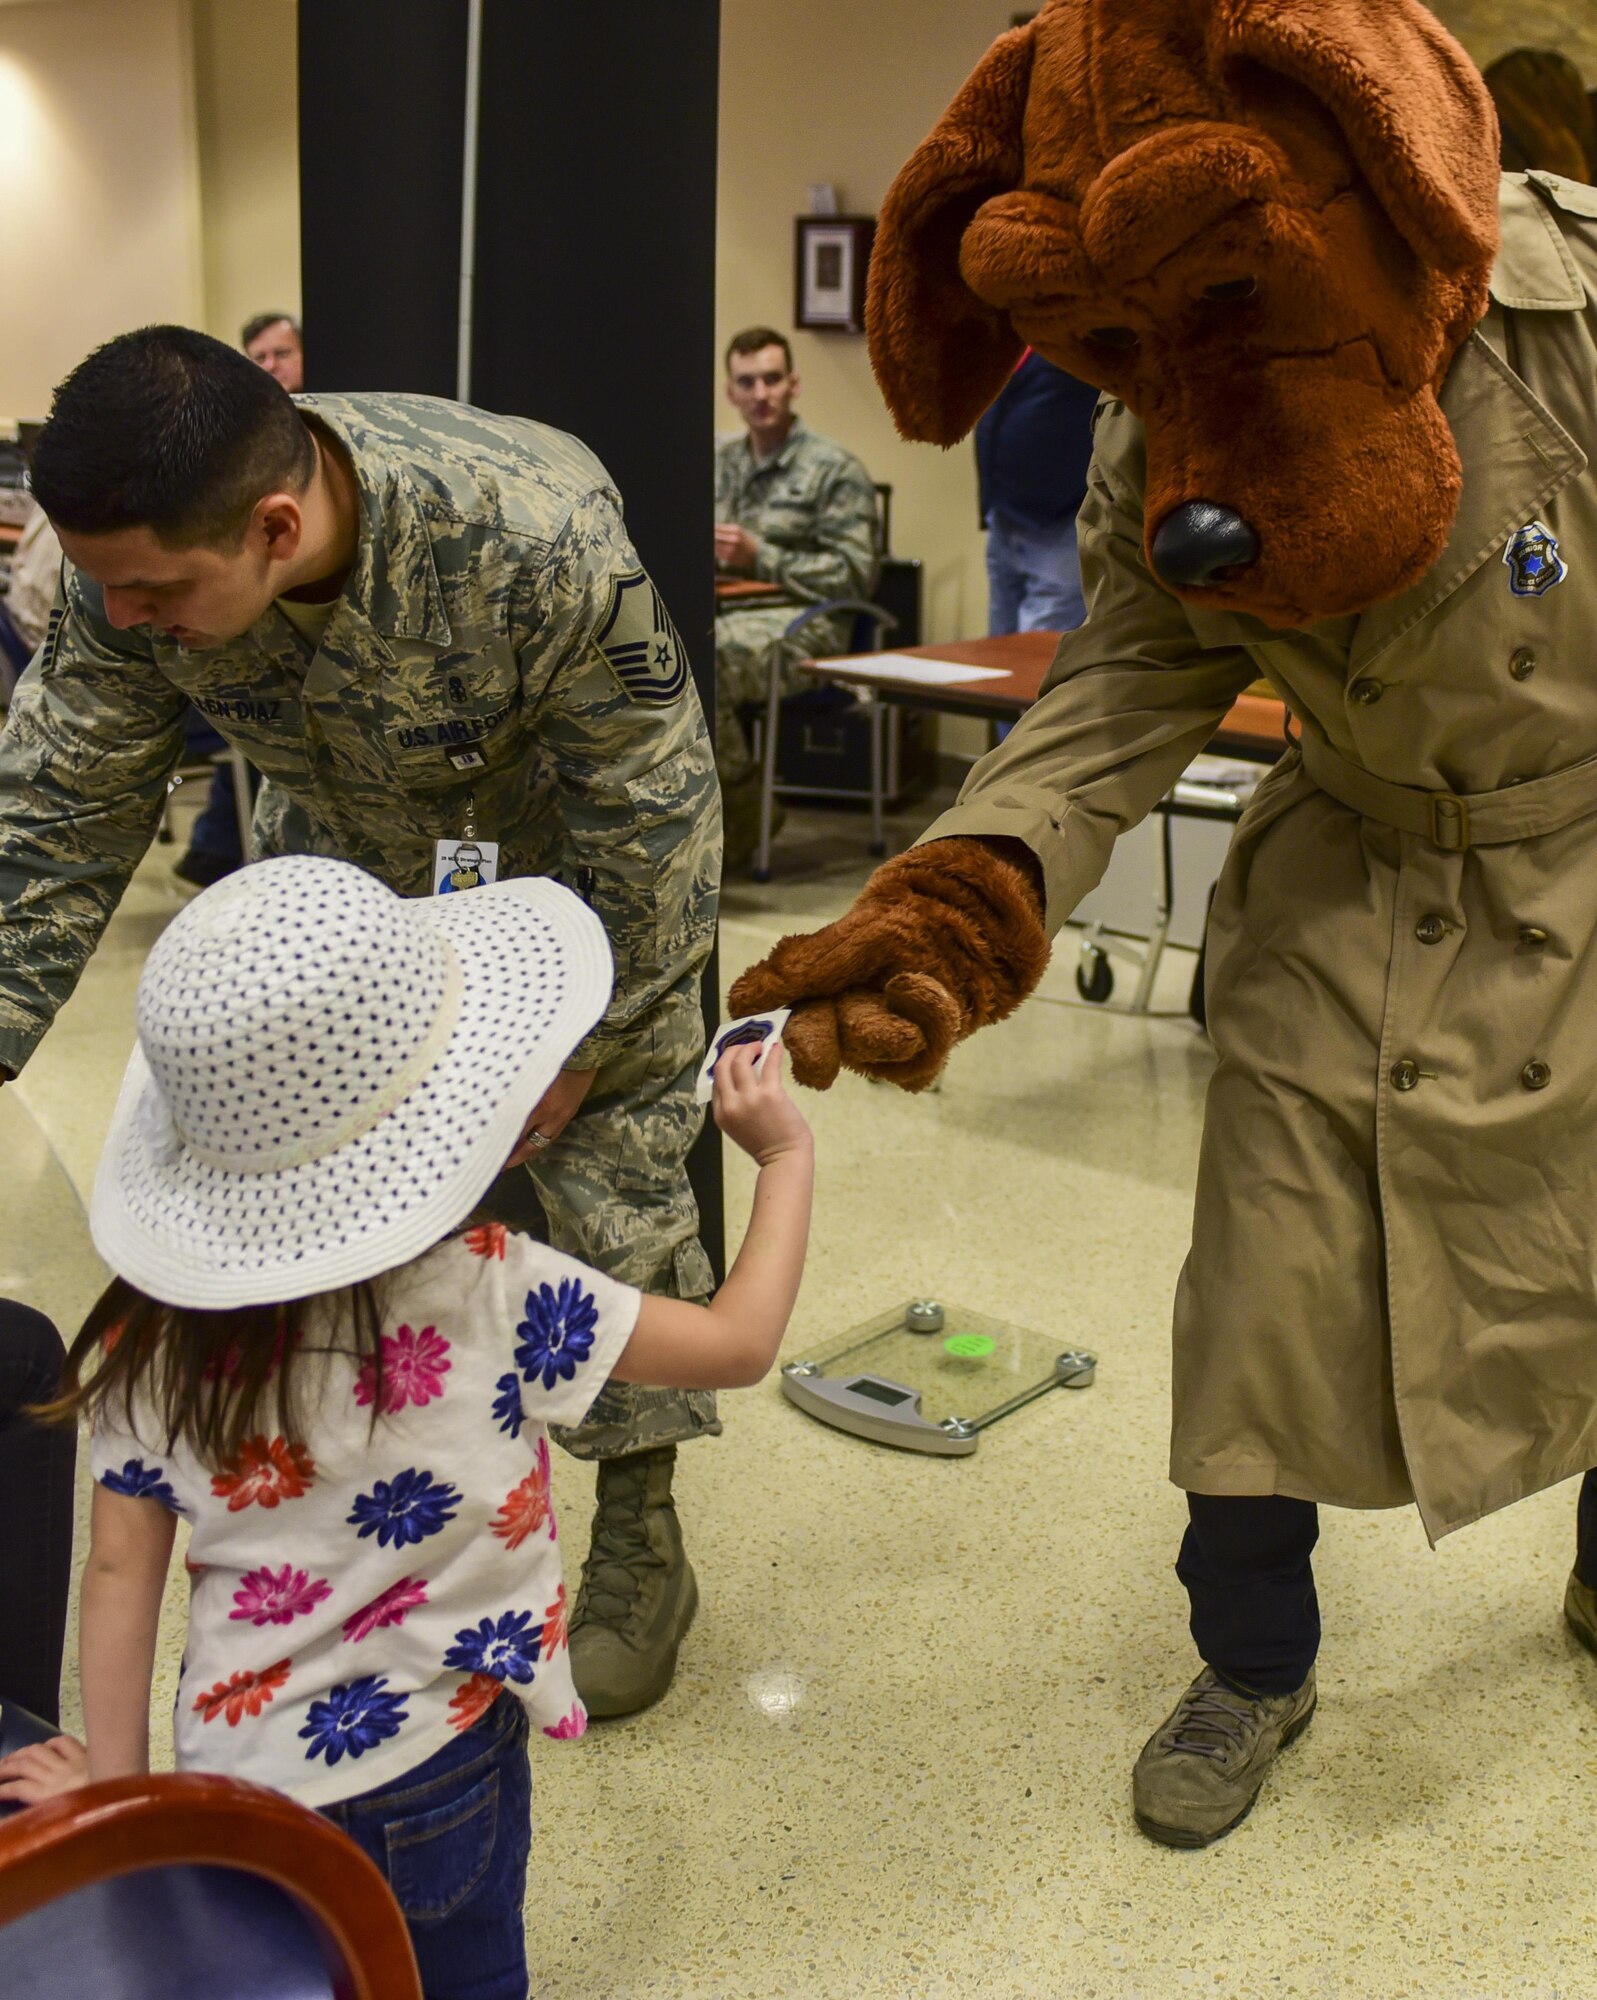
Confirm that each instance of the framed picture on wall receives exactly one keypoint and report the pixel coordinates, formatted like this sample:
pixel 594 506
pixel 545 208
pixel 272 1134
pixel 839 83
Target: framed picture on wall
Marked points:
pixel 833 253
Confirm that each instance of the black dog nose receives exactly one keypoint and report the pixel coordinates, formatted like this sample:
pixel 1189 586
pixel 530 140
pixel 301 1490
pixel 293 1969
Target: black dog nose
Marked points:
pixel 1194 543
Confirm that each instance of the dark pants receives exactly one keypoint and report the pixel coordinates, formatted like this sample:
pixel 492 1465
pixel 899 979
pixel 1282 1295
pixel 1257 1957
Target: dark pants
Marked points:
pixel 452 1839
pixel 1245 1562
pixel 215 831
pixel 36 1464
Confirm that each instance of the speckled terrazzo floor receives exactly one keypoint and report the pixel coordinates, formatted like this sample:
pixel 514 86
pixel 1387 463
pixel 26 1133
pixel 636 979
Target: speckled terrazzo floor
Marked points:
pixel 896 1758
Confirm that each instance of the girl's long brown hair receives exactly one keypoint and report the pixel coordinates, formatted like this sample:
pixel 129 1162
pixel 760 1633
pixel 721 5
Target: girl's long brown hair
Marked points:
pixel 211 1379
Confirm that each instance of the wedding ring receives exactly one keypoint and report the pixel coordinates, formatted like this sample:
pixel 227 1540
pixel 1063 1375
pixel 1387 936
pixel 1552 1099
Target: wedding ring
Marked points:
pixel 539 1140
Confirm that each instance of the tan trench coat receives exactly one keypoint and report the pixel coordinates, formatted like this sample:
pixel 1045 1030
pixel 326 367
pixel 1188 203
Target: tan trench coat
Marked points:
pixel 1392 1287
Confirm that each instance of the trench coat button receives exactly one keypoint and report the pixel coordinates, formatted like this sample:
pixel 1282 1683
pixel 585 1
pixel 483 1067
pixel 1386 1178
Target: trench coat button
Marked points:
pixel 1405 1074
pixel 1366 692
pixel 1536 1075
pixel 1532 934
pixel 1522 663
pixel 1431 929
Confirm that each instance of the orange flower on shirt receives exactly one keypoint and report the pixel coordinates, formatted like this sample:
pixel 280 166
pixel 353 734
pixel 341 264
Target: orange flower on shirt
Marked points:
pixel 556 1626
pixel 245 1694
pixel 527 1505
pixel 265 1471
pixel 473 1699
pixel 487 1240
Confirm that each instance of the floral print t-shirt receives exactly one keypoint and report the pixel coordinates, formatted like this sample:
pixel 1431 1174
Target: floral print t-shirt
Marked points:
pixel 359 1595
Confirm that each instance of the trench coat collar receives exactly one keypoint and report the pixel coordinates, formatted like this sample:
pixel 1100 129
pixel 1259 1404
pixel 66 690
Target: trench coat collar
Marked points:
pixel 393 588
pixel 1516 457
pixel 1534 271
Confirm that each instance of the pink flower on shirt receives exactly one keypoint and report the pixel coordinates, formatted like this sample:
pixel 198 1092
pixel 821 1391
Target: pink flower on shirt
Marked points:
pixel 574 1724
pixel 413 1370
pixel 387 1609
pixel 526 1507
pixel 278 1597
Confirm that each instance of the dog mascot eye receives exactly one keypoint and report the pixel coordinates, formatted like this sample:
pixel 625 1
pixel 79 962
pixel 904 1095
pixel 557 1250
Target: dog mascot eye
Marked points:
pixel 1233 288
pixel 1114 336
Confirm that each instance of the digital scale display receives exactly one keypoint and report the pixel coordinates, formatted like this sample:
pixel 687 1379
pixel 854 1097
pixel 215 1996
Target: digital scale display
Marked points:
pixel 879 1392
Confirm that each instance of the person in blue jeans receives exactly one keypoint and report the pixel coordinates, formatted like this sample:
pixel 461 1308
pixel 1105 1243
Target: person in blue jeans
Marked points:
pixel 316 1354
pixel 215 846
pixel 1033 446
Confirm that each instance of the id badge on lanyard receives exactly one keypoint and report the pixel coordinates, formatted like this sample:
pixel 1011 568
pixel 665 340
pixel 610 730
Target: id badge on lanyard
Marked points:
pixel 467 863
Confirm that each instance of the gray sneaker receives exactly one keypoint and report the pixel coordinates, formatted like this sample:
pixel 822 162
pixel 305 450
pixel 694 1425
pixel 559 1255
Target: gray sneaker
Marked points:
pixel 638 1593
pixel 1580 1612
pixel 1201 1769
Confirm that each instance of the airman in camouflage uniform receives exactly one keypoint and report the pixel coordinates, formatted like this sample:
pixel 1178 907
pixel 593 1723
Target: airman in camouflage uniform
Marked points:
pixel 498 665
pixel 811 512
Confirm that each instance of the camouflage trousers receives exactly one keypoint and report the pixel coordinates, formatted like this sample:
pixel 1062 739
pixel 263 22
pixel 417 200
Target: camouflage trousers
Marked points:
pixel 613 1190
pixel 743 641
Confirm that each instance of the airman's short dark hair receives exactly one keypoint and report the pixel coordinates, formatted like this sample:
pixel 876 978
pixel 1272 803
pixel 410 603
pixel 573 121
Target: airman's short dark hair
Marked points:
pixel 171 430
pixel 752 339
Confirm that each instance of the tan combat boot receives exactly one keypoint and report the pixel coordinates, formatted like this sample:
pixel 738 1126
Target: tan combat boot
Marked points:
pixel 638 1595
pixel 1580 1612
pixel 1201 1770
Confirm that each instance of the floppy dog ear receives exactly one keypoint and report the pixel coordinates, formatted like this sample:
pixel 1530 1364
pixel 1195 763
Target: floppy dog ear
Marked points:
pixel 1413 108
pixel 940 355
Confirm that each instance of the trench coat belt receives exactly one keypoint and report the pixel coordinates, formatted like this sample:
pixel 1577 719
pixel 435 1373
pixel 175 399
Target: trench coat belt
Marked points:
pixel 1451 821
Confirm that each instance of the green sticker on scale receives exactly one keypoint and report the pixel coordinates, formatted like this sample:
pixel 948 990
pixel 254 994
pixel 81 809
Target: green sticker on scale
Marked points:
pixel 970 1346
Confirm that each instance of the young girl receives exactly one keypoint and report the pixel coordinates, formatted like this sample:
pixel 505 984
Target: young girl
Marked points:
pixel 346 1401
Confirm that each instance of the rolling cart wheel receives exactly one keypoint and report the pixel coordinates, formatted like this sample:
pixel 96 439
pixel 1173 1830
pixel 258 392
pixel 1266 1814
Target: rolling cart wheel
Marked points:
pixel 1095 976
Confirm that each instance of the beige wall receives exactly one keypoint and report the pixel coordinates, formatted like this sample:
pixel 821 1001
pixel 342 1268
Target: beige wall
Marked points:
pixel 97 163
pixel 1489 28
pixel 843 91
pixel 247 99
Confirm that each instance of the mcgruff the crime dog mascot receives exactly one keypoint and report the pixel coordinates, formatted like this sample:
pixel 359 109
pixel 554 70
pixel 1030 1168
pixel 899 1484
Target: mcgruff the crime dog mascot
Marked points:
pixel 1352 392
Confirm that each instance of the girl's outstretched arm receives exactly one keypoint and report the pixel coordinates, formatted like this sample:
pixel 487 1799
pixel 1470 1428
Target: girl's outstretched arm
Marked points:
pixel 733 1340
pixel 130 1546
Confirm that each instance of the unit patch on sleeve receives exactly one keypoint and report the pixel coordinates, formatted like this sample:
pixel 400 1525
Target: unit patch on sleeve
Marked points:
pixel 641 644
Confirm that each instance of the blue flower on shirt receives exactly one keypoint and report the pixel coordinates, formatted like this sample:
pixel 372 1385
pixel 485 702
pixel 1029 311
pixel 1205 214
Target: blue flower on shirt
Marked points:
pixel 404 1509
pixel 507 1650
pixel 507 1405
pixel 139 1481
pixel 356 1716
pixel 557 1332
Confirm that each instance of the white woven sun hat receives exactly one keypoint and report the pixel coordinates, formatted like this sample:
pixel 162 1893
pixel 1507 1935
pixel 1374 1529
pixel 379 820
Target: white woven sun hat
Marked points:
pixel 329 1076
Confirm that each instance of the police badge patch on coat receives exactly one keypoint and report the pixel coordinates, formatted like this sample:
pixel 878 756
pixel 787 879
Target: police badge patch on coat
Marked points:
pixel 1534 564
pixel 641 644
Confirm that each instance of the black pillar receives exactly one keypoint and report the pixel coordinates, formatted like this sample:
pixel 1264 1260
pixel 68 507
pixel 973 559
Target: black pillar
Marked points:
pixel 594 299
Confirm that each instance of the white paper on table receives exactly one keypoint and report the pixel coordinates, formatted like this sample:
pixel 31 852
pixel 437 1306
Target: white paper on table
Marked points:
pixel 925 673
pixel 1233 773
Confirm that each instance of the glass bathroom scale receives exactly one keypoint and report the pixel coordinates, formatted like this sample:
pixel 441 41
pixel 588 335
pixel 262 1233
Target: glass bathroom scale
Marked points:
pixel 929 1376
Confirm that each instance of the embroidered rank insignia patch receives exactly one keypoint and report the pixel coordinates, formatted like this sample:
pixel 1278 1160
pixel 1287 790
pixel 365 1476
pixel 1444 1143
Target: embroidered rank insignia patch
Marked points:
pixel 1534 564
pixel 52 637
pixel 641 644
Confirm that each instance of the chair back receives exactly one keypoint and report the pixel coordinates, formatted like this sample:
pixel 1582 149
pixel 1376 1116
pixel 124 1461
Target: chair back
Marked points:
pixel 145 1888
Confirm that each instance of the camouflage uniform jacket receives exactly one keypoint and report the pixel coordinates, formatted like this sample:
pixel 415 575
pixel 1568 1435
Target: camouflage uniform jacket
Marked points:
pixel 497 646
pixel 811 511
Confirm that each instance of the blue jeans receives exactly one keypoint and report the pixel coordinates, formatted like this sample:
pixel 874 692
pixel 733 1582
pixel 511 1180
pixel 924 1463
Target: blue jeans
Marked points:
pixel 1033 578
pixel 215 831
pixel 452 1839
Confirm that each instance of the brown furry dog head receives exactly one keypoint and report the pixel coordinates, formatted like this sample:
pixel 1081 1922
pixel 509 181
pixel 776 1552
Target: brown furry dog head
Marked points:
pixel 1267 225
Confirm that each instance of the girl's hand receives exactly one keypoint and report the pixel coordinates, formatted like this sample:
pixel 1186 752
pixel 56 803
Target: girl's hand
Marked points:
pixel 41 1771
pixel 755 1112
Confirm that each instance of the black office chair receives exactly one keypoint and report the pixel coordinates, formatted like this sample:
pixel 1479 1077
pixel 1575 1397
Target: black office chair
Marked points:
pixel 871 625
